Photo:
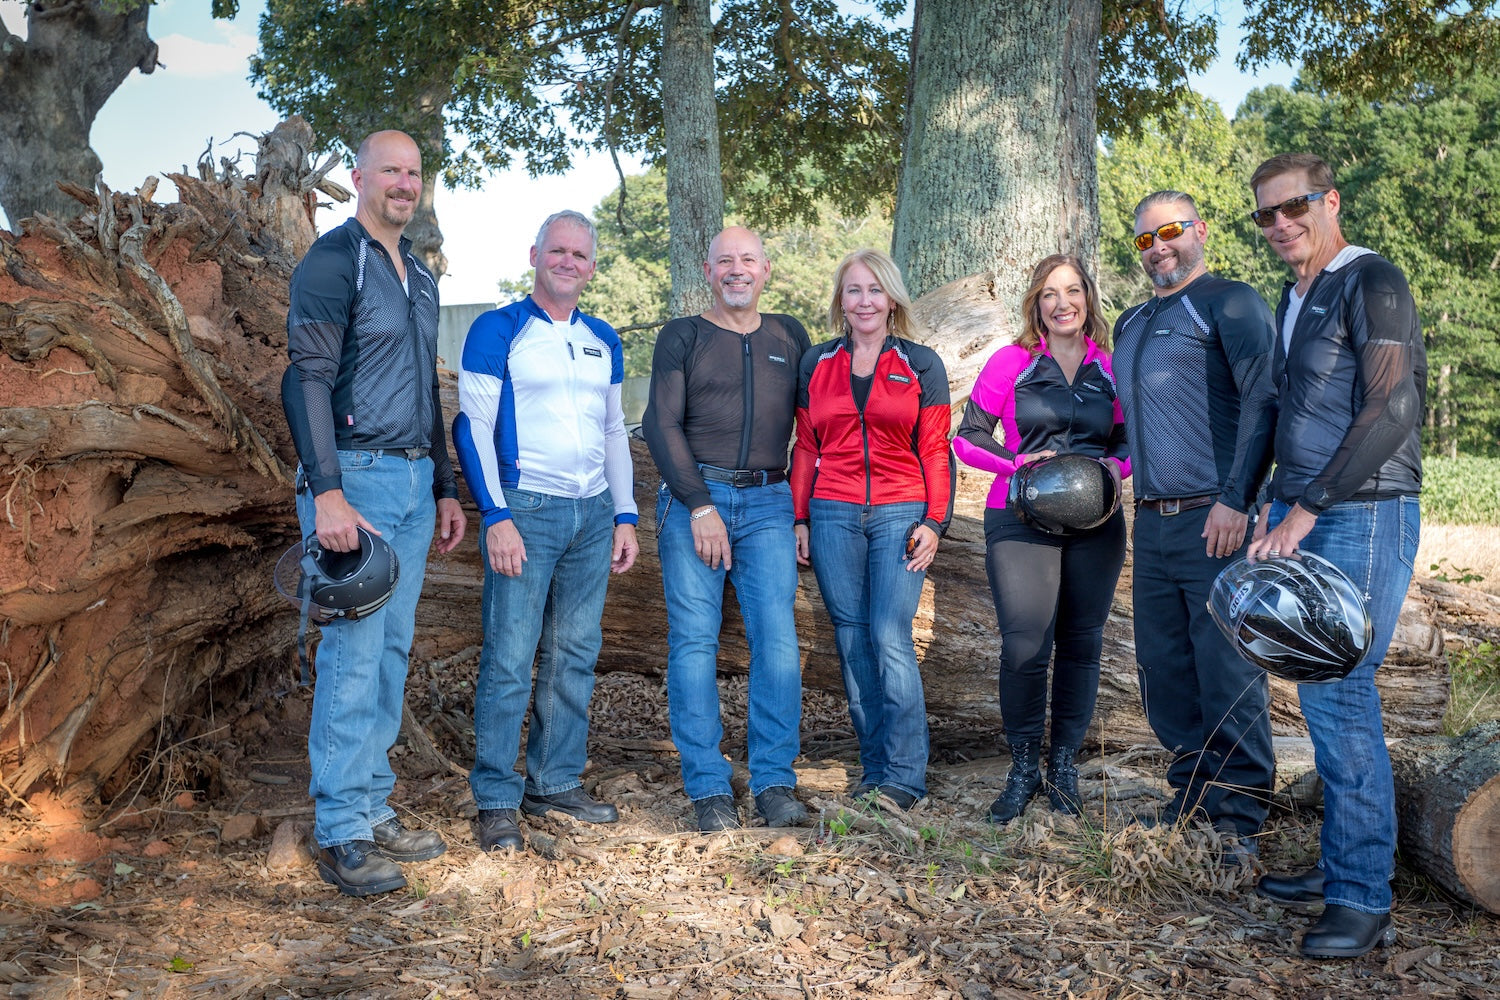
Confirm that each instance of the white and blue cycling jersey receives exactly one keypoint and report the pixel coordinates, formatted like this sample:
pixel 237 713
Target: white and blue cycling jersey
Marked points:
pixel 539 410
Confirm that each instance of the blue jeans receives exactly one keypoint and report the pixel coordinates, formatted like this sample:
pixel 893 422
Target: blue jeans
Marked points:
pixel 361 665
pixel 556 603
pixel 858 556
pixel 763 553
pixel 1375 544
pixel 1206 704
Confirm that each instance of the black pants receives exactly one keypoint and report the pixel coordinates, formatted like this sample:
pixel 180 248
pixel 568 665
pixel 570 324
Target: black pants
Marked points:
pixel 1206 704
pixel 1052 596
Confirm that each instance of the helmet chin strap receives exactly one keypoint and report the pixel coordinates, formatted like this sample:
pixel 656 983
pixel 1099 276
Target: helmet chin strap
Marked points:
pixel 304 591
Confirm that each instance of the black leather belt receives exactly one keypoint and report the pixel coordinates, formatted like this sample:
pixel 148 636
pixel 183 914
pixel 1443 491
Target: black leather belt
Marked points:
pixel 1168 506
pixel 742 477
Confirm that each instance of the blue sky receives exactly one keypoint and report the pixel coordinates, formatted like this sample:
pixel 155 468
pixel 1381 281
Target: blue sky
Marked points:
pixel 200 95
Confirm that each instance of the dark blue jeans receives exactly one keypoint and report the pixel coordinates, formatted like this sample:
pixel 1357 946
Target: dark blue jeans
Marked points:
pixel 763 553
pixel 548 615
pixel 1374 543
pixel 871 597
pixel 1207 705
pixel 1052 596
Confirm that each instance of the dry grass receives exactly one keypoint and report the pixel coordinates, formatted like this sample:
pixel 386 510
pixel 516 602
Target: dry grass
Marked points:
pixel 1461 550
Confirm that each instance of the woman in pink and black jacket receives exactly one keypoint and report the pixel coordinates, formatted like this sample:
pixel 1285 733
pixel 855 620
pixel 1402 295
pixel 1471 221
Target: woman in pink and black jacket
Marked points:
pixel 1051 392
pixel 872 488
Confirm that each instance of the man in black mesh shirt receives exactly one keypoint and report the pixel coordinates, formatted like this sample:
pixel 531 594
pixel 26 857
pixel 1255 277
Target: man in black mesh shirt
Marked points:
pixel 1187 363
pixel 718 423
pixel 1351 381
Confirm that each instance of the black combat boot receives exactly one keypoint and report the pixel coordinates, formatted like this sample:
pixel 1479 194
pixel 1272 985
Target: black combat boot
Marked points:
pixel 1021 785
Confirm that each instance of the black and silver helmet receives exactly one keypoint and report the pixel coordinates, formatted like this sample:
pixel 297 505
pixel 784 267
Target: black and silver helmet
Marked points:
pixel 1064 494
pixel 348 585
pixel 1298 617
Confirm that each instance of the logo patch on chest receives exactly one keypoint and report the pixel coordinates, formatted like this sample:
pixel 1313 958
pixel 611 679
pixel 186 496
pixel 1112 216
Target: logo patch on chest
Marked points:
pixel 898 378
pixel 593 352
pixel 1319 310
pixel 776 358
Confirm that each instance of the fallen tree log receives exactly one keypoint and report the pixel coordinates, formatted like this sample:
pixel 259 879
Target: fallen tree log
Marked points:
pixel 145 487
pixel 1448 810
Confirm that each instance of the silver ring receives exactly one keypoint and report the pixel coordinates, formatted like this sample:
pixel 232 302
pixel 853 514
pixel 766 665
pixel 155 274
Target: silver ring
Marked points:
pixel 1274 553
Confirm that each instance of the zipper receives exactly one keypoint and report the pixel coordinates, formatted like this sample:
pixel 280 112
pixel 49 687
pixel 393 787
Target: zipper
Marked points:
pixel 749 383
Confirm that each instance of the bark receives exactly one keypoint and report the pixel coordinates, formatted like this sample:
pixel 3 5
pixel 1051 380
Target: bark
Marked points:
pixel 1448 806
pixel 690 129
pixel 75 55
pixel 998 165
pixel 144 460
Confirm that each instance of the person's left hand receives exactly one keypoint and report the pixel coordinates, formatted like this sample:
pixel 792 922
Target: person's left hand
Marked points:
pixel 804 544
pixel 926 548
pixel 626 548
pixel 1225 531
pixel 451 524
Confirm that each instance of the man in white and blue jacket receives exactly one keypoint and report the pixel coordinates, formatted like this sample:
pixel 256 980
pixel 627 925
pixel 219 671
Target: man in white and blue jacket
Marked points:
pixel 541 440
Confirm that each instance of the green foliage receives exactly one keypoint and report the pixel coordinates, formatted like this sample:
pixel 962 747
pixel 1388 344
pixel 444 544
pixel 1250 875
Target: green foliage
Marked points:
pixel 1146 51
pixel 1367 51
pixel 1464 490
pixel 1474 671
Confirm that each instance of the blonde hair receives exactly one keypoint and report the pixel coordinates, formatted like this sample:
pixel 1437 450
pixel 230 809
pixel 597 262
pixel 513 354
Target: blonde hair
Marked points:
pixel 888 275
pixel 1032 330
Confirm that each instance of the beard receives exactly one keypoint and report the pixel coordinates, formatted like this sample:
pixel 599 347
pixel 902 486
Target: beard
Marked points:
pixel 1188 259
pixel 739 298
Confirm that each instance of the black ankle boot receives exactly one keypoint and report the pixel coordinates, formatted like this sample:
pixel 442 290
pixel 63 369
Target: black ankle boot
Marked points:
pixel 1021 785
pixel 1062 781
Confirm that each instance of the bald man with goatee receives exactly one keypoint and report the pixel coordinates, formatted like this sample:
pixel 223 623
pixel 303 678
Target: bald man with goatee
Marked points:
pixel 361 398
pixel 719 420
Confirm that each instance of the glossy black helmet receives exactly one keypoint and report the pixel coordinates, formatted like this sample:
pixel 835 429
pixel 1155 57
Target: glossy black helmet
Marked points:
pixel 1297 617
pixel 1063 494
pixel 349 585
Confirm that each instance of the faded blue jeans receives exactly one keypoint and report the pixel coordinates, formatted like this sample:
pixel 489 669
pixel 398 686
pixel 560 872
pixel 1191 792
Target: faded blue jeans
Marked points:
pixel 1375 544
pixel 555 604
pixel 361 665
pixel 763 557
pixel 858 556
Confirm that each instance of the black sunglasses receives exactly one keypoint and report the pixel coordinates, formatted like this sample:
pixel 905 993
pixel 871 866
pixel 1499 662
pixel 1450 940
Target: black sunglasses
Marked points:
pixel 1292 208
pixel 1167 231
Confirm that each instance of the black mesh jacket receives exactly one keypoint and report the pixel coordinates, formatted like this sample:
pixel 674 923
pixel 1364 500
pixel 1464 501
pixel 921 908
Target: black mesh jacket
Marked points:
pixel 364 357
pixel 1351 392
pixel 721 398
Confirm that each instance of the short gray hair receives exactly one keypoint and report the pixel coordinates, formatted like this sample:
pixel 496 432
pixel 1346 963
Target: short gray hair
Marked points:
pixel 569 215
pixel 1166 198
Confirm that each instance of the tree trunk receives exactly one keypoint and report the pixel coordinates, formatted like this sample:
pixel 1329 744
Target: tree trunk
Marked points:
pixel 1448 805
pixel 998 168
pixel 76 53
pixel 690 126
pixel 143 460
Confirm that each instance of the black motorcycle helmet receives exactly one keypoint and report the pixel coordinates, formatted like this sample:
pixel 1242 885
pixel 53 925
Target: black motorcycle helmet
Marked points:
pixel 348 585
pixel 1064 494
pixel 1298 617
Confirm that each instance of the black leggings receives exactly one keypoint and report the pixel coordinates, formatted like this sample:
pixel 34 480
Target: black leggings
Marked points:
pixel 1052 596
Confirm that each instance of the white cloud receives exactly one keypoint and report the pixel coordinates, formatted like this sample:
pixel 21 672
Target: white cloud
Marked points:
pixel 195 58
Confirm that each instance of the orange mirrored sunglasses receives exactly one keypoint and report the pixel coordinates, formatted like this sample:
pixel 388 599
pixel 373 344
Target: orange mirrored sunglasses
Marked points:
pixel 1167 231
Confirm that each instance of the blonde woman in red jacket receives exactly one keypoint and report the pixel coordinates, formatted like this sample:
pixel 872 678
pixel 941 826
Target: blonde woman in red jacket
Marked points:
pixel 872 487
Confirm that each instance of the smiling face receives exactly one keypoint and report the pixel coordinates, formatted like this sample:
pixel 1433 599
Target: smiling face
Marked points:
pixel 867 307
pixel 737 268
pixel 564 264
pixel 1063 305
pixel 388 179
pixel 1171 264
pixel 1309 242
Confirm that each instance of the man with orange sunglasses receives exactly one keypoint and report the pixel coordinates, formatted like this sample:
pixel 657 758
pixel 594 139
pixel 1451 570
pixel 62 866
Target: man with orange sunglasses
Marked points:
pixel 1188 362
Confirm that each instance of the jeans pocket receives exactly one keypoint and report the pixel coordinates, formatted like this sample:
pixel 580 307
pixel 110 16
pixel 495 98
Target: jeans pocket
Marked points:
pixel 525 500
pixel 663 506
pixel 356 461
pixel 1409 513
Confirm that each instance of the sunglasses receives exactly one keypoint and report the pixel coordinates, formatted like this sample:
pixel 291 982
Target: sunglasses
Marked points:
pixel 1167 231
pixel 1292 208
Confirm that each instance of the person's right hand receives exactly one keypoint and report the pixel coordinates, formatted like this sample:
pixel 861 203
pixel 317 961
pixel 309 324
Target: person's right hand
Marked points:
pixel 711 539
pixel 804 544
pixel 507 551
pixel 336 522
